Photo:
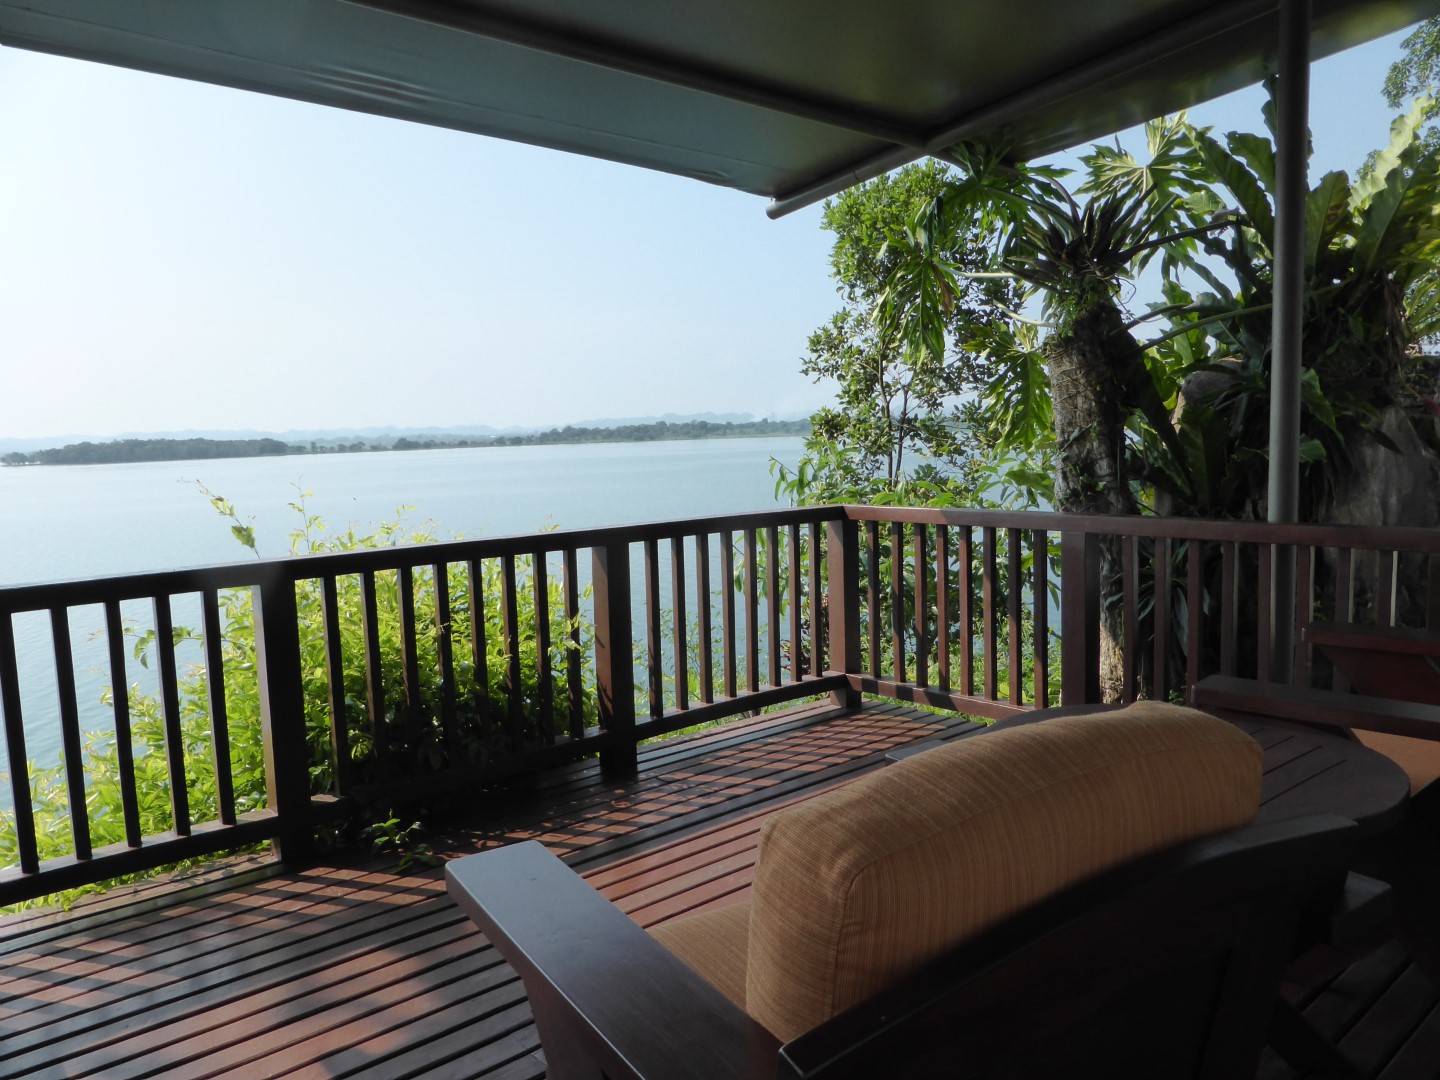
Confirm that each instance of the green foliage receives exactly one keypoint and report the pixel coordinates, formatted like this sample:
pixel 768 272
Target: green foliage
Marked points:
pixel 405 842
pixel 403 742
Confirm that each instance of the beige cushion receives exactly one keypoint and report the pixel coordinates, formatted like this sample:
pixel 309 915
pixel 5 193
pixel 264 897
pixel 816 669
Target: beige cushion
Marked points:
pixel 857 887
pixel 1420 758
pixel 714 944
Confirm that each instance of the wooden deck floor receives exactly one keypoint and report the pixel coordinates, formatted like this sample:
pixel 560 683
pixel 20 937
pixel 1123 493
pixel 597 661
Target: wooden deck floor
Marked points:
pixel 354 970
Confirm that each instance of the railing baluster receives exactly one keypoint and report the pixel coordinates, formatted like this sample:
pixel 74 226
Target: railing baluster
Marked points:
pixel 1013 611
pixel 654 669
pixel 680 617
pixel 1229 606
pixel 374 675
pixel 942 605
pixel 479 655
pixel 727 611
pixel 1130 618
pixel 510 627
pixel 817 603
pixel 772 604
pixel 282 713
pixel 335 681
pixel 574 673
pixel 124 737
pixel 702 618
pixel 897 599
pixel 409 655
pixel 872 593
pixel 752 612
pixel 1387 567
pixel 965 590
pixel 219 716
pixel 1161 608
pixel 1344 605
pixel 990 596
pixel 1194 610
pixel 1265 554
pixel 797 607
pixel 70 731
pixel 1304 610
pixel 170 705
pixel 544 682
pixel 445 657
pixel 1040 591
pixel 614 655
pixel 29 857
pixel 921 560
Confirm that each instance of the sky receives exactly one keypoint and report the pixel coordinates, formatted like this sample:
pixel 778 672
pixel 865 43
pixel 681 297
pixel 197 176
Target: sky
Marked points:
pixel 179 256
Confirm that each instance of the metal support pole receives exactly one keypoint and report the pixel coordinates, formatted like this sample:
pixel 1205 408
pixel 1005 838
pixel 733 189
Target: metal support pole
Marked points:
pixel 1291 187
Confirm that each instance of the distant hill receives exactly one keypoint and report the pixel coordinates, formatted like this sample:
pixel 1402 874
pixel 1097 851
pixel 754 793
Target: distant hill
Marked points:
pixel 118 451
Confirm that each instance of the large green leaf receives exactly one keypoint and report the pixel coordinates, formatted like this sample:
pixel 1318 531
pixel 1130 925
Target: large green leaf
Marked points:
pixel 1231 172
pixel 1324 214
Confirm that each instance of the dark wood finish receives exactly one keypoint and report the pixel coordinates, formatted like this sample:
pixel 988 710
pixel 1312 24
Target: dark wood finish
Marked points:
pixel 1382 661
pixel 654 662
pixel 1079 619
pixel 1130 627
pixel 1304 613
pixel 773 643
pixel 964 558
pixel 215 702
pixel 752 611
pixel 1040 590
pixel 282 717
pixel 124 739
pixel 1194 609
pixel 374 673
pixel 842 551
pixel 669 1022
pixel 920 563
pixel 677 609
pixel 819 646
pixel 1014 608
pixel 510 630
pixel 170 712
pixel 335 683
pixel 1161 611
pixel 873 618
pixel 944 610
pixel 70 734
pixel 409 653
pixel 544 673
pixel 479 647
pixel 574 663
pixel 1229 607
pixel 990 602
pixel 614 656
pixel 918 694
pixel 1264 611
pixel 727 612
pixel 896 602
pixel 445 656
pixel 797 604
pixel 1387 568
pixel 703 630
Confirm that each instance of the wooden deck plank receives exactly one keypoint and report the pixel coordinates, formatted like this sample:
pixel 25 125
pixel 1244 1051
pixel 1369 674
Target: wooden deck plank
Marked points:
pixel 348 969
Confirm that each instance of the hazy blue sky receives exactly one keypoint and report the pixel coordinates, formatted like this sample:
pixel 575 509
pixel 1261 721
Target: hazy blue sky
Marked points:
pixel 175 255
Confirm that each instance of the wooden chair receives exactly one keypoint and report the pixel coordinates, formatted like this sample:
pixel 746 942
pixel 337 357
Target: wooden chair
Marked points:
pixel 1078 897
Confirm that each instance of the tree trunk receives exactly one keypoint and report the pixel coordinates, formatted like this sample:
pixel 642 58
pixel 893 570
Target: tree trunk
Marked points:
pixel 1086 362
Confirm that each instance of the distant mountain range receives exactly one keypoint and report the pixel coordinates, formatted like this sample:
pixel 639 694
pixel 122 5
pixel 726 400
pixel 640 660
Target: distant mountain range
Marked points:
pixel 380 436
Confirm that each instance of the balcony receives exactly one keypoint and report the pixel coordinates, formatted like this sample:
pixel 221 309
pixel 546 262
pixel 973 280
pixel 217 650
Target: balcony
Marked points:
pixel 826 637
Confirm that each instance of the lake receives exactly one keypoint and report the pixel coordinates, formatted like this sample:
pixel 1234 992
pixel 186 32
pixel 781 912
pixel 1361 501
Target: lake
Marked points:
pixel 66 522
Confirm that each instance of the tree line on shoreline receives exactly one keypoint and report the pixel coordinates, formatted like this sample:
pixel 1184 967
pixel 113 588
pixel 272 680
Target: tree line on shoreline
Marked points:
pixel 121 451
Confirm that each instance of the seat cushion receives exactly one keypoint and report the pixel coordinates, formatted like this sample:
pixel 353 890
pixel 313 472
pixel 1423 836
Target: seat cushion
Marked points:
pixel 856 888
pixel 1420 758
pixel 714 943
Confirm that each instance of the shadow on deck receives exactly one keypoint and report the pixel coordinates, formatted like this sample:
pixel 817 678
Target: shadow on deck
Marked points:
pixel 353 970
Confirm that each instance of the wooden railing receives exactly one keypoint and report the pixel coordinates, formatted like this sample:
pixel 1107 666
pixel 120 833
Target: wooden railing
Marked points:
pixel 287 694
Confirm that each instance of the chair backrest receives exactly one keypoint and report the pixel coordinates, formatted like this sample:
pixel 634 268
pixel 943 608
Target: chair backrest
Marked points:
pixel 857 889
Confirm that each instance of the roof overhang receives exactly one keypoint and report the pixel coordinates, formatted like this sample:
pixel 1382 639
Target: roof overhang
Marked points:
pixel 793 100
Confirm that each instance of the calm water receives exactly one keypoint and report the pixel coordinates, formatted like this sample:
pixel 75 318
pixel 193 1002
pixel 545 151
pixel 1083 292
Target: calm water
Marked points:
pixel 66 522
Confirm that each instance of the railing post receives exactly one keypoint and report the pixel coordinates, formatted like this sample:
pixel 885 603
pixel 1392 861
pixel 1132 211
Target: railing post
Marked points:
pixel 1079 618
pixel 282 714
pixel 614 656
pixel 842 600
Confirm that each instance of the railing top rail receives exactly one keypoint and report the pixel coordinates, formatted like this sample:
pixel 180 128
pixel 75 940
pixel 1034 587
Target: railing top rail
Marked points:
pixel 1361 537
pixel 33 597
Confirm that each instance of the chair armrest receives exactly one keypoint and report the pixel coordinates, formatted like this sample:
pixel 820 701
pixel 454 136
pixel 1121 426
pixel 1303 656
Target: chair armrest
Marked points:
pixel 601 988
pixel 1230 696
